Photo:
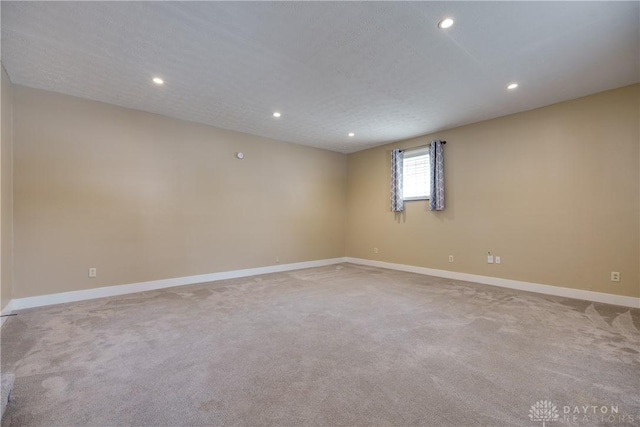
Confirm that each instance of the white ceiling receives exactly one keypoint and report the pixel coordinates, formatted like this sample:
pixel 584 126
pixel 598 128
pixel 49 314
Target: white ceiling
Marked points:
pixel 380 69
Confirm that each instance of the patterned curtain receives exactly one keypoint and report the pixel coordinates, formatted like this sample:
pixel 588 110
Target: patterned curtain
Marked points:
pixel 436 201
pixel 397 202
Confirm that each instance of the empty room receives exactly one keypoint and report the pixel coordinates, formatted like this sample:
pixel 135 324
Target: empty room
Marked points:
pixel 320 213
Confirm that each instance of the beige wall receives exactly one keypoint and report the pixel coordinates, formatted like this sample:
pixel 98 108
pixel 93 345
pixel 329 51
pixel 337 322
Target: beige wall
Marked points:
pixel 6 201
pixel 144 197
pixel 554 191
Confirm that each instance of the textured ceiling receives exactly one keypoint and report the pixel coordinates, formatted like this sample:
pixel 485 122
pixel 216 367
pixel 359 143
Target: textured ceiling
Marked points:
pixel 381 69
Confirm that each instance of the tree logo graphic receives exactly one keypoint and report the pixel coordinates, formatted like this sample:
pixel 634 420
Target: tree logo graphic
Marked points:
pixel 544 411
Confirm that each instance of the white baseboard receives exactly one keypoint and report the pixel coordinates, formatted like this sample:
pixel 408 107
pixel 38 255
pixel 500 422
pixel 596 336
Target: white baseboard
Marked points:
pixel 507 283
pixel 108 291
pixel 8 309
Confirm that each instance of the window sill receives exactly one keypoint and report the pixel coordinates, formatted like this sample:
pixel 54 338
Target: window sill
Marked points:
pixel 413 199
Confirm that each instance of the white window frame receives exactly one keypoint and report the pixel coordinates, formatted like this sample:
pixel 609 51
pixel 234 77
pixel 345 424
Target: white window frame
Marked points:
pixel 407 156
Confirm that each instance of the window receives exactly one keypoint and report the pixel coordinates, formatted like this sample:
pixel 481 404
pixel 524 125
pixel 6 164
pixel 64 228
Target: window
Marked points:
pixel 415 172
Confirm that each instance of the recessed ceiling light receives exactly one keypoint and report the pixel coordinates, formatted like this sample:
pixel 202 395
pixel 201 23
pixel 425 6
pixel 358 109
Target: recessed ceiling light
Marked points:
pixel 512 86
pixel 158 81
pixel 445 23
pixel 352 134
pixel 276 114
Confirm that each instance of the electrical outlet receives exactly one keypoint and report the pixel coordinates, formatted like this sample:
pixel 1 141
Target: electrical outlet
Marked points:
pixel 277 259
pixel 498 259
pixel 93 272
pixel 375 250
pixel 489 259
pixel 450 258
pixel 615 276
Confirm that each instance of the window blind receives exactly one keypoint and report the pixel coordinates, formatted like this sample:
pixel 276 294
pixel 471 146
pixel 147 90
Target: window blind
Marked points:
pixel 416 174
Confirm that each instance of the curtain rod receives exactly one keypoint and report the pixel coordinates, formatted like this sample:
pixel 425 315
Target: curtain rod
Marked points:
pixel 421 146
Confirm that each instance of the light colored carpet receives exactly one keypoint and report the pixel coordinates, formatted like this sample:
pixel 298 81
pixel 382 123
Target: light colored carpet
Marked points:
pixel 337 345
pixel 6 385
